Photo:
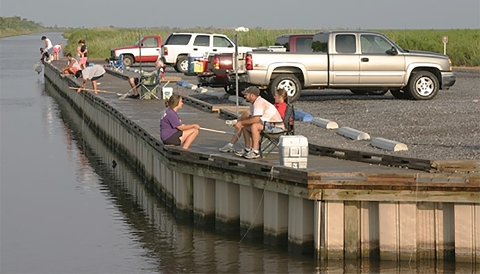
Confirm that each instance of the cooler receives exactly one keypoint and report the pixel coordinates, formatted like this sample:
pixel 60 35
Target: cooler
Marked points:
pixel 293 151
pixel 192 59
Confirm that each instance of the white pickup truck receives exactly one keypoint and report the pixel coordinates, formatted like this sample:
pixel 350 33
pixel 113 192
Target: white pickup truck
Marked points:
pixel 179 46
pixel 361 61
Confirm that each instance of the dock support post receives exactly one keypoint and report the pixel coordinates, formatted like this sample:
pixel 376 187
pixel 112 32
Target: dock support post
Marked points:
pixel 204 201
pixel 275 226
pixel 300 225
pixel 467 233
pixel 183 193
pixel 227 206
pixel 251 212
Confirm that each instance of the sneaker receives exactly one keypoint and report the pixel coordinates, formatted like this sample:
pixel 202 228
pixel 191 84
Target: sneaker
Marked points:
pixel 227 149
pixel 231 122
pixel 242 152
pixel 251 155
pixel 134 96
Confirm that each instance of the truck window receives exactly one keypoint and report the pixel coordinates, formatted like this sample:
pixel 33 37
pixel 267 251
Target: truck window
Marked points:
pixel 178 39
pixel 320 42
pixel 345 43
pixel 150 42
pixel 304 44
pixel 221 42
pixel 374 44
pixel 202 41
pixel 282 41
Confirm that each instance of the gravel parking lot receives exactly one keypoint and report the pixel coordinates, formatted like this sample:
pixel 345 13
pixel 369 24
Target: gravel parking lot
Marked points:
pixel 445 128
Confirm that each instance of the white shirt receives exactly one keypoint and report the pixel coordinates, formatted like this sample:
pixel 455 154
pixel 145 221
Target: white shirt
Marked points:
pixel 266 111
pixel 89 72
pixel 49 43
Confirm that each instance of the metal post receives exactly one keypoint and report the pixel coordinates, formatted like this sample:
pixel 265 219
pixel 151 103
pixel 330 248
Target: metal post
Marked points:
pixel 140 52
pixel 236 71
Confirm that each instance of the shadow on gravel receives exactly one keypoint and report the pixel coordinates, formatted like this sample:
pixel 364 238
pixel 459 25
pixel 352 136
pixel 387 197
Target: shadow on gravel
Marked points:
pixel 341 95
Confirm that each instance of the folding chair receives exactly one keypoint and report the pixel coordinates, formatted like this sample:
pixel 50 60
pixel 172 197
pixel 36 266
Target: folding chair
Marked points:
pixel 270 135
pixel 117 65
pixel 150 85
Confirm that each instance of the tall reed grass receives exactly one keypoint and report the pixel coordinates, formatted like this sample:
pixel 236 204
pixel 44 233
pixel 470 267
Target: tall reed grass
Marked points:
pixel 463 44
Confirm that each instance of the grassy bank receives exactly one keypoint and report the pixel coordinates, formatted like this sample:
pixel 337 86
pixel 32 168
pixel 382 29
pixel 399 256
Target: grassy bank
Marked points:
pixel 13 26
pixel 463 44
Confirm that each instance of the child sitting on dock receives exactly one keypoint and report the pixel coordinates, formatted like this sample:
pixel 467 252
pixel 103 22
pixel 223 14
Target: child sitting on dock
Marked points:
pixel 172 130
pixel 72 65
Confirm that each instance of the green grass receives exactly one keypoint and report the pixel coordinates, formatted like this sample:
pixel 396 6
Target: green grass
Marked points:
pixel 463 45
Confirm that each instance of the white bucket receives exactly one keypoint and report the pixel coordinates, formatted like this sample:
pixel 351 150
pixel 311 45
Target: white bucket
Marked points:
pixel 167 92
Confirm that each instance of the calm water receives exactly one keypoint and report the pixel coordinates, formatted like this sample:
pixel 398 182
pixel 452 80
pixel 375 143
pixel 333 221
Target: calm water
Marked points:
pixel 65 209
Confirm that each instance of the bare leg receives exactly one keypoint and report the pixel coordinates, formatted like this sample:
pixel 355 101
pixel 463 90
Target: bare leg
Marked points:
pixel 247 136
pixel 131 80
pixel 255 131
pixel 94 83
pixel 188 136
pixel 238 132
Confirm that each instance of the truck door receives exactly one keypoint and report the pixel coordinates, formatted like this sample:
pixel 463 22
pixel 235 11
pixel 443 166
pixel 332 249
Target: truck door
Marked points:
pixel 344 61
pixel 201 45
pixel 150 49
pixel 378 67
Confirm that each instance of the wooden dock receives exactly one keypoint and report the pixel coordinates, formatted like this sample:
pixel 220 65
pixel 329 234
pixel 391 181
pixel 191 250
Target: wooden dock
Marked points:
pixel 346 204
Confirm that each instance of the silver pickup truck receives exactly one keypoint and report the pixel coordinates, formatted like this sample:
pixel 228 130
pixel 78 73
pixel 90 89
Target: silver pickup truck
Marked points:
pixel 365 62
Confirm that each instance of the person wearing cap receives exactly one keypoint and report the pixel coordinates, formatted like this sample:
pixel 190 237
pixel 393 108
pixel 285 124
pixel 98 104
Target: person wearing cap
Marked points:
pixel 92 73
pixel 260 111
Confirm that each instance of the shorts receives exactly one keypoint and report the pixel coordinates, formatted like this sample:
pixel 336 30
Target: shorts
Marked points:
pixel 83 60
pixel 136 80
pixel 174 139
pixel 56 50
pixel 50 51
pixel 96 77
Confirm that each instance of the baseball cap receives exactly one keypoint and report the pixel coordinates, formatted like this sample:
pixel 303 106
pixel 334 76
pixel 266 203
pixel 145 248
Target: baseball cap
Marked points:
pixel 252 90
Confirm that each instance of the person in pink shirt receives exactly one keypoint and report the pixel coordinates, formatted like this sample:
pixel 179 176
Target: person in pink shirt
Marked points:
pixel 56 51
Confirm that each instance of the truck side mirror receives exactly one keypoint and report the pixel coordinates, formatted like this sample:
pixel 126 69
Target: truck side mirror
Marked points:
pixel 392 51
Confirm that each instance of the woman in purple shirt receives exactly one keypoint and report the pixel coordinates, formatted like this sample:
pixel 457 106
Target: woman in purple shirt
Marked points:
pixel 172 131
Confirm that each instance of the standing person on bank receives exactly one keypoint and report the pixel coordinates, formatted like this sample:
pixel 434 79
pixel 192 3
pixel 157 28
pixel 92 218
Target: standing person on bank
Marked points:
pixel 92 73
pixel 260 111
pixel 56 51
pixel 82 52
pixel 172 130
pixel 48 48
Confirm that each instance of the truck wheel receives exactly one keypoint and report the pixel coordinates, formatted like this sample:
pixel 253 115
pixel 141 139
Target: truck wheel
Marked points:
pixel 127 60
pixel 400 94
pixel 289 83
pixel 423 85
pixel 182 64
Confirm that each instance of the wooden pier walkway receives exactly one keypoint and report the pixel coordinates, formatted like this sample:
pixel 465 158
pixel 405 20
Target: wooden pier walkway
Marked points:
pixel 355 207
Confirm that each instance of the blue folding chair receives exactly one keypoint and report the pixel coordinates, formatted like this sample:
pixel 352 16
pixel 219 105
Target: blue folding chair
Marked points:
pixel 117 65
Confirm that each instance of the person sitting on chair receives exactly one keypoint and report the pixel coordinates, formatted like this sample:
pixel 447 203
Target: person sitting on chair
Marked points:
pixel 172 130
pixel 281 98
pixel 137 81
pixel 280 104
pixel 260 111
